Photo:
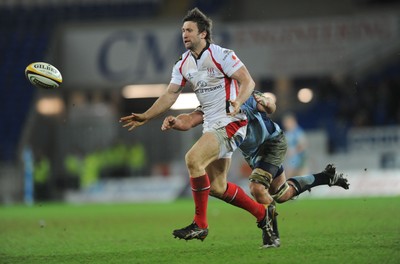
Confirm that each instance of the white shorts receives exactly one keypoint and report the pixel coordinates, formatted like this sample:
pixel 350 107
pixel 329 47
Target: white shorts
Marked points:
pixel 229 136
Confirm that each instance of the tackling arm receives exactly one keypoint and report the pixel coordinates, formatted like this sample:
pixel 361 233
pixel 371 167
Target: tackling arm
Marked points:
pixel 183 122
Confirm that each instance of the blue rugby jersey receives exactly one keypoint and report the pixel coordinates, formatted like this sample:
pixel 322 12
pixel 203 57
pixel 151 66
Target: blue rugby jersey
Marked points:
pixel 259 129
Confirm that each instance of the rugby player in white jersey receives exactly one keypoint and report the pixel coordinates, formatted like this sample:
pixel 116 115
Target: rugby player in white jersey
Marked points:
pixel 264 149
pixel 222 84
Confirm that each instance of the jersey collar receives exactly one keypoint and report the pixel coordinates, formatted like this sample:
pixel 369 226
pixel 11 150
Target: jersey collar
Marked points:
pixel 201 53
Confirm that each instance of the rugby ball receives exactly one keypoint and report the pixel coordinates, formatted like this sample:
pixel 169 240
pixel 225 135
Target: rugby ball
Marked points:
pixel 43 75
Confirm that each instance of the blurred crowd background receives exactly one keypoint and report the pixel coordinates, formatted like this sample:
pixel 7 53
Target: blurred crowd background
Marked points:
pixel 335 65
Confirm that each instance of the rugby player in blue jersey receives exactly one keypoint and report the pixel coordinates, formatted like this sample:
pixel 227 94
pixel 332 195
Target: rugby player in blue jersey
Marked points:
pixel 264 148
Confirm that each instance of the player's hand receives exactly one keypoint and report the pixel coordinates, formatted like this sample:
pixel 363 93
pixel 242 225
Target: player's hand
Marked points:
pixel 261 99
pixel 133 121
pixel 168 123
pixel 265 103
pixel 234 109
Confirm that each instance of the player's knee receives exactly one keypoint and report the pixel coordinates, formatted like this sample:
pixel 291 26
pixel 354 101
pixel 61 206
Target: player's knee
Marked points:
pixel 188 159
pixel 191 162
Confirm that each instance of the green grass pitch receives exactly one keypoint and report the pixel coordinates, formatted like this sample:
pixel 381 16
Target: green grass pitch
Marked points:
pixel 358 230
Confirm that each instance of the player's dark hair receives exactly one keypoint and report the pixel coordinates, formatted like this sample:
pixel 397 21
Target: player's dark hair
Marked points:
pixel 204 23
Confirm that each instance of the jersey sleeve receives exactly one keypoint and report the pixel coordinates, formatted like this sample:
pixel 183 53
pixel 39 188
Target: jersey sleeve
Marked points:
pixel 230 62
pixel 177 77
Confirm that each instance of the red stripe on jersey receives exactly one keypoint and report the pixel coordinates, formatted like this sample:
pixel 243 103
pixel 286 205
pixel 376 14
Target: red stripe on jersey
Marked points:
pixel 227 79
pixel 233 127
pixel 236 87
pixel 228 82
pixel 180 70
pixel 215 62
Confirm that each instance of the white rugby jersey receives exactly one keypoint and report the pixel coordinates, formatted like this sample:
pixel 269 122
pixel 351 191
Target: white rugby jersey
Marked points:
pixel 209 77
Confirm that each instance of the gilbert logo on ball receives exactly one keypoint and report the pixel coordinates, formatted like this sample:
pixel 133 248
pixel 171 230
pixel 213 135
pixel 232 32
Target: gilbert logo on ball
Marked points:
pixel 43 75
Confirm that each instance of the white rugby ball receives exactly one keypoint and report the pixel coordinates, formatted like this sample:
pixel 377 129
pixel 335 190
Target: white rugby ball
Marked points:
pixel 43 75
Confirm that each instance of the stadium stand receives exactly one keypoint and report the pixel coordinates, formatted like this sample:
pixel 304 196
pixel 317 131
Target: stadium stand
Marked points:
pixel 27 27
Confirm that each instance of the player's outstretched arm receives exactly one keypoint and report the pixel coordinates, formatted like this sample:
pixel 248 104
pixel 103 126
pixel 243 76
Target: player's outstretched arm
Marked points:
pixel 163 103
pixel 132 121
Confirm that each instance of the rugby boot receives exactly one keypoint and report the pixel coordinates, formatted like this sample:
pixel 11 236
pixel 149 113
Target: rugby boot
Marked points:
pixel 269 227
pixel 192 231
pixel 335 178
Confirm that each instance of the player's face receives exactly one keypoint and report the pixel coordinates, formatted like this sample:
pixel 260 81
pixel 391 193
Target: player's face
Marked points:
pixel 191 37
